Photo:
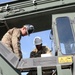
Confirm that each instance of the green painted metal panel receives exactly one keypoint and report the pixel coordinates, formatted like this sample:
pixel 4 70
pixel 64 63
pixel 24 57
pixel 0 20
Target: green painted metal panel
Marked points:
pixel 66 72
pixel 39 70
pixel 61 71
pixel 7 69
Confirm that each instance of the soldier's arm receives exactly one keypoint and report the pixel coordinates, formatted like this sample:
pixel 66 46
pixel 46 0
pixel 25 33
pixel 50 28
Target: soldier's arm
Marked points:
pixel 32 54
pixel 16 43
pixel 48 51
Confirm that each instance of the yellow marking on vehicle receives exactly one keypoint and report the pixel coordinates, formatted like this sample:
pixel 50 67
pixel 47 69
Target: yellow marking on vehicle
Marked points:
pixel 65 59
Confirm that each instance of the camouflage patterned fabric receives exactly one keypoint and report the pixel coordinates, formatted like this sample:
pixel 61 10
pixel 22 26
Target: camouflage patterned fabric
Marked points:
pixel 12 40
pixel 36 53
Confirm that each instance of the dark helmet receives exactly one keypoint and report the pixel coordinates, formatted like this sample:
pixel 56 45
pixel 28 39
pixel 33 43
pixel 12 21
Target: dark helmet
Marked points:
pixel 30 28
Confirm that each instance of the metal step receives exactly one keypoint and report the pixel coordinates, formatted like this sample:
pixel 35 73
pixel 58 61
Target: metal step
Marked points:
pixel 8 55
pixel 45 62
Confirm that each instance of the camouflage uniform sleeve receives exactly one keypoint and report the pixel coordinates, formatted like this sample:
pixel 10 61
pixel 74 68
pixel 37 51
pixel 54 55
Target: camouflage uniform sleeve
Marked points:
pixel 48 51
pixel 34 54
pixel 16 36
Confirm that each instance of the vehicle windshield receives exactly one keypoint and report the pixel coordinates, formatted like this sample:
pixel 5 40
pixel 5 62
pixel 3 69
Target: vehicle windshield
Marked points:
pixel 65 35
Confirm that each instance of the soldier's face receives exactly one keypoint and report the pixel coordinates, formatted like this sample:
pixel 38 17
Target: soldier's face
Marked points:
pixel 39 46
pixel 24 31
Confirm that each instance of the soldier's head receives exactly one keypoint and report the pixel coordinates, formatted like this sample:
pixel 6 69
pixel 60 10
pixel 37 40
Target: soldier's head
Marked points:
pixel 38 42
pixel 27 29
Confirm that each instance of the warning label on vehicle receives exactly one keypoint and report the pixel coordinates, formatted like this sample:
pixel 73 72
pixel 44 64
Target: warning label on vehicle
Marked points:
pixel 65 59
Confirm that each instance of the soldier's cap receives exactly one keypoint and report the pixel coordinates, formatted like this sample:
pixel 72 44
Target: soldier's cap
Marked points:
pixel 30 28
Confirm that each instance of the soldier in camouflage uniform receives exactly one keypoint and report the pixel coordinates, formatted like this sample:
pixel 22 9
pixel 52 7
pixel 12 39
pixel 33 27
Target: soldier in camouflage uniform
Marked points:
pixel 12 38
pixel 38 51
pixel 39 48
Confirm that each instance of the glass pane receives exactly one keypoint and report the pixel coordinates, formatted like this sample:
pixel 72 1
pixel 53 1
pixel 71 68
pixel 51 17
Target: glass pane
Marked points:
pixel 65 35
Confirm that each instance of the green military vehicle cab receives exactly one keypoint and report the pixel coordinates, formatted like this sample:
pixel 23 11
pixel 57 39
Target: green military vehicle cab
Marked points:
pixel 57 15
